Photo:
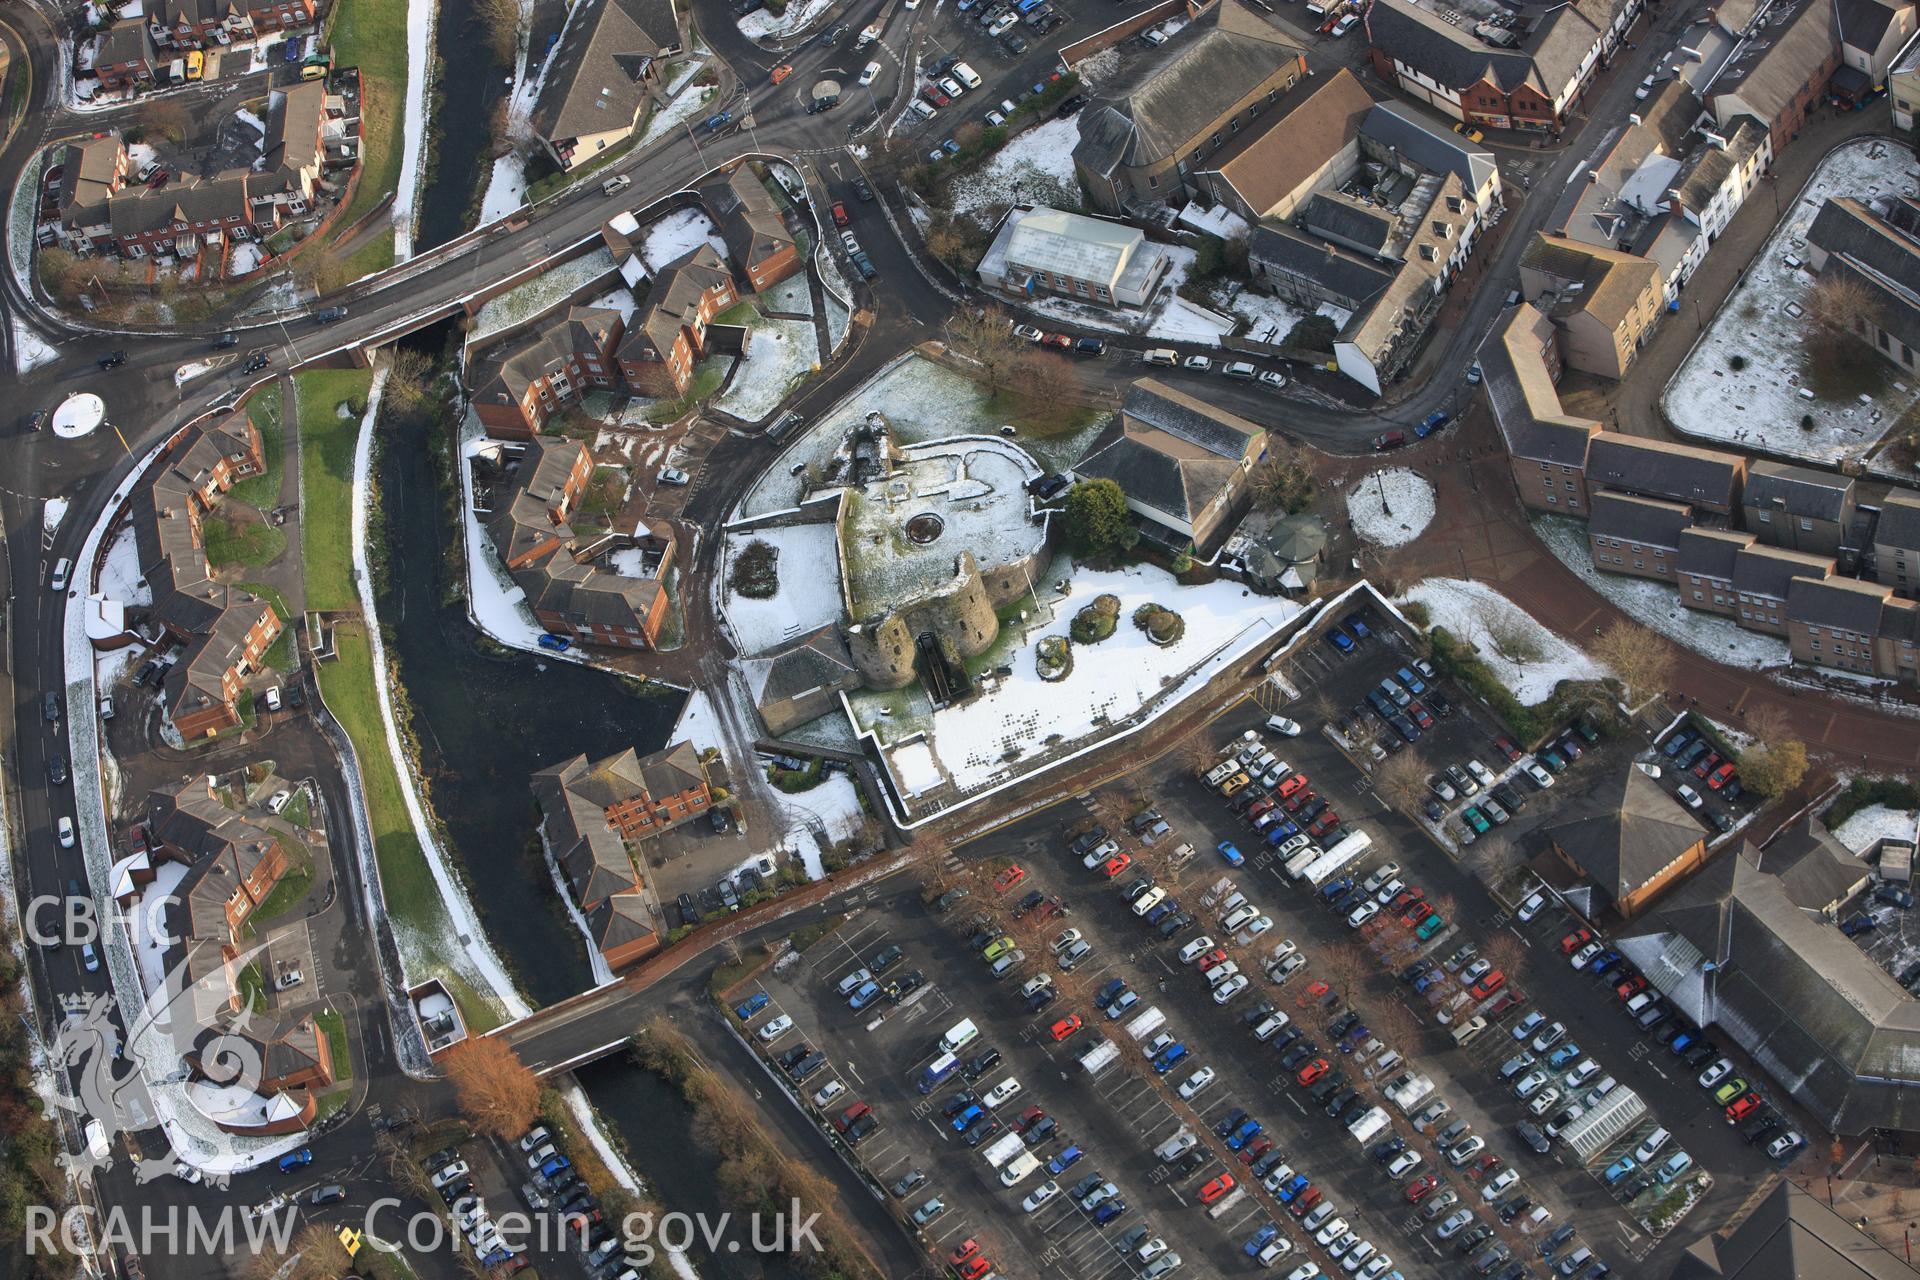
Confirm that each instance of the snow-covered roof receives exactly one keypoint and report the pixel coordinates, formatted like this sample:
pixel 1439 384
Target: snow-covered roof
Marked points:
pixel 1071 245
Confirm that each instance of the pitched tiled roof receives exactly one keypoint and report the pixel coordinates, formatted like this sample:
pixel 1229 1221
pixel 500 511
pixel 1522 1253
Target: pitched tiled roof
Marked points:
pixel 596 82
pixel 1761 570
pixel 1899 524
pixel 1161 106
pixel 92 169
pixel 292 142
pixel 1428 143
pixel 143 211
pixel 1711 553
pixel 1341 218
pixel 1771 70
pixel 1658 468
pixel 1152 403
pixel 749 220
pixel 1525 405
pixel 1337 272
pixel 124 42
pixel 1624 830
pixel 1837 602
pixel 1291 142
pixel 1547 57
pixel 1650 521
pixel 820 661
pixel 671 301
pixel 506 371
pixel 1610 284
pixel 1799 491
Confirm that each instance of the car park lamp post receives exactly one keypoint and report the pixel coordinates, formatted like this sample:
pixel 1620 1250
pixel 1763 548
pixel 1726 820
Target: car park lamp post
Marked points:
pixel 1381 485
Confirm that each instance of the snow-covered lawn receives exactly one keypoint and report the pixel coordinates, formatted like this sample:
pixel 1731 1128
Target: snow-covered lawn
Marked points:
pixel 987 738
pixel 1762 404
pixel 1267 318
pixel 1390 507
pixel 764 23
pixel 834 805
pixel 1472 611
pixel 506 188
pixel 30 350
pixel 247 256
pixel 780 355
pixel 499 605
pixel 542 293
pixel 808 596
pixel 52 512
pixel 793 296
pixel 677 235
pixel 119 577
pixel 1875 823
pixel 1183 321
pixel 1039 163
pixel 839 318
pixel 1657 605
pixel 413 130
pixel 686 103
pixel 190 370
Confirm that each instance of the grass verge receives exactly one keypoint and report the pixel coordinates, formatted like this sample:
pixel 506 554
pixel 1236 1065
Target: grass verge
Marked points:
pixel 251 543
pixel 292 887
pixel 372 35
pixel 406 882
pixel 263 490
pixel 335 1028
pixel 326 463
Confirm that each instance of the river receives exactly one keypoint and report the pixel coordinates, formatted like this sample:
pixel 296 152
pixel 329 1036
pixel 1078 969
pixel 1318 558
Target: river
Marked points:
pixel 471 83
pixel 656 1124
pixel 485 723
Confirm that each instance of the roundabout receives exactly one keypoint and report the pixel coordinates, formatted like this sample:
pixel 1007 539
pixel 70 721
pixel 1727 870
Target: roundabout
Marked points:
pixel 80 414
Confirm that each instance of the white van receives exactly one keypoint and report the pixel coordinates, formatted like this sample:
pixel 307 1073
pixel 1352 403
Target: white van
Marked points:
pixel 958 1036
pixel 1240 369
pixel 966 75
pixel 62 570
pixel 1018 1168
pixel 922 108
pixel 1162 355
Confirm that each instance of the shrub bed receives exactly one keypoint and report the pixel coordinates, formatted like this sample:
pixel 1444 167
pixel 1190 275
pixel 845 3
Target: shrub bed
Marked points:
pixel 1096 621
pixel 756 571
pixel 1162 625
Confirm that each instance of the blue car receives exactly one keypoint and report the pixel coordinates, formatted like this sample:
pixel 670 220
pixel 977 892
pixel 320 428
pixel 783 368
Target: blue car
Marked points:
pixel 558 1164
pixel 296 1159
pixel 1108 1211
pixel 1604 961
pixel 1169 1058
pixel 719 121
pixel 1356 624
pixel 1683 1042
pixel 1334 888
pixel 1617 1170
pixel 750 1006
pixel 1232 855
pixel 1340 640
pixel 1064 1161
pixel 869 991
pixel 559 644
pixel 1161 912
pixel 1109 993
pixel 1243 1135
pixel 1426 980
pixel 1260 1240
pixel 1430 424
pixel 1381 704
pixel 951 147
pixel 1293 1187
pixel 966 1118
pixel 1415 685
pixel 1563 1055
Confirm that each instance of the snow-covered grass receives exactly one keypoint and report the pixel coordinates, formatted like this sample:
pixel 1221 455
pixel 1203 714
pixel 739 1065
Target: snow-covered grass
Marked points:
pixel 52 512
pixel 834 805
pixel 30 350
pixel 678 234
pixel 686 103
pixel 119 577
pixel 542 293
pixel 1038 162
pixel 420 20
pixel 765 24
pixel 499 605
pixel 792 296
pixel 1875 823
pixel 808 596
pixel 839 319
pixel 1657 605
pixel 1267 318
pixel 995 735
pixel 1474 612
pixel 190 370
pixel 1390 507
pixel 1182 321
pixel 506 188
pixel 780 356
pixel 1762 404
pixel 247 256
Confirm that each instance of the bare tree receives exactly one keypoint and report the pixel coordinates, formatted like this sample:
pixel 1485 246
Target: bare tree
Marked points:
pixel 494 1089
pixel 500 22
pixel 62 273
pixel 1401 780
pixel 1283 480
pixel 1511 634
pixel 1639 659
pixel 1504 952
pixel 986 334
pixel 1197 753
pixel 169 118
pixel 1048 388
pixel 314 1254
pixel 410 383
pixel 319 270
pixel 1840 304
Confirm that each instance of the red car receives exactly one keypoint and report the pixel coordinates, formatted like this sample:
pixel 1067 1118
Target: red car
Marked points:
pixel 1417 916
pixel 1406 898
pixel 845 1119
pixel 159 180
pixel 1255 1149
pixel 840 218
pixel 1028 1118
pixel 1065 1027
pixel 934 97
pixel 1259 807
pixel 1298 800
pixel 973 1268
pixel 1708 763
pixel 1740 1108
pixel 1324 823
pixel 1631 987
pixel 1511 998
pixel 1421 1187
pixel 1216 1188
pixel 1292 783
pixel 1721 777
pixel 1304 1202
pixel 1507 749
pixel 1115 865
pixel 1420 715
pixel 1312 1071
pixel 1488 984
pixel 1575 940
pixel 1012 876
pixel 1486 1167
pixel 1211 958
pixel 968 1248
pixel 1060 340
